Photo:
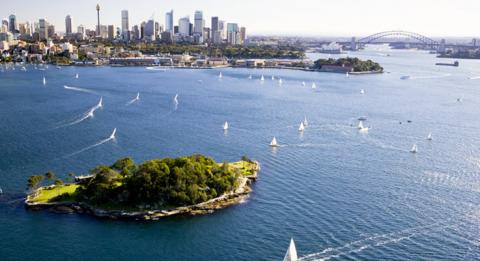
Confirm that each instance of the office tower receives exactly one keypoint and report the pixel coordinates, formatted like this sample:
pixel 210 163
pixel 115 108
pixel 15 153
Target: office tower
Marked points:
pixel 103 31
pixel 221 28
pixel 51 31
pixel 5 23
pixel 214 24
pixel 125 26
pixel 243 35
pixel 150 30
pixel 12 24
pixel 111 32
pixel 199 23
pixel 157 30
pixel 68 25
pixel 142 30
pixel 81 31
pixel 98 19
pixel 184 26
pixel 42 29
pixel 169 21
pixel 233 36
pixel 135 35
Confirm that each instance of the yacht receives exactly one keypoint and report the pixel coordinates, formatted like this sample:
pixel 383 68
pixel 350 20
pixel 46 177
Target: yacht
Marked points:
pixel 274 143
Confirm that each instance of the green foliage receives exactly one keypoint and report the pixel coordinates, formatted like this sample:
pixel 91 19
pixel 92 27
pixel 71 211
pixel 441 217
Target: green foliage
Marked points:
pixel 357 64
pixel 50 175
pixel 58 182
pixel 164 182
pixel 34 181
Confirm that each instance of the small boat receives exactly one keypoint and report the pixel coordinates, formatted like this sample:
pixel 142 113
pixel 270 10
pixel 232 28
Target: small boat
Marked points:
pixel 314 86
pixel 280 82
pixel 225 126
pixel 1 191
pixel 305 122
pixel 362 91
pixel 414 149
pixel 405 77
pixel 220 76
pixel 291 254
pixel 273 78
pixel 362 118
pixel 250 77
pixel 360 125
pixel 274 143
pixel 301 127
pixel 138 96
pixel 100 103
pixel 58 67
pixel 304 84
pixel 44 81
pixel 460 99
pixel 76 76
pixel 113 134
pixel 175 99
pixel 24 69
pixel 262 78
pixel 429 137
pixel 347 74
pixel 362 128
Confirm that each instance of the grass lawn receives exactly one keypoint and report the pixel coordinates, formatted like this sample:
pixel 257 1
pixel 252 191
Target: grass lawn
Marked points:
pixel 46 195
pixel 245 168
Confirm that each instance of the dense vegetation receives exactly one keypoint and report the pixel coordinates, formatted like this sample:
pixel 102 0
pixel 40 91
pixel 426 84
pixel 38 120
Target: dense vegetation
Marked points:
pixel 158 183
pixel 357 64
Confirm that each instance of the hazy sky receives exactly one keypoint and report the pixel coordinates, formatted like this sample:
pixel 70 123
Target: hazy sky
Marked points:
pixel 302 17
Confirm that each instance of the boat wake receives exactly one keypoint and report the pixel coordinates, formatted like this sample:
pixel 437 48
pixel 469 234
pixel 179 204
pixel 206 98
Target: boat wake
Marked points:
pixel 89 114
pixel 429 77
pixel 474 77
pixel 134 100
pixel 376 241
pixel 111 138
pixel 78 89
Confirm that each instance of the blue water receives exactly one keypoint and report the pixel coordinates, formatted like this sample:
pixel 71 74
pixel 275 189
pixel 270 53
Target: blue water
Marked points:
pixel 340 194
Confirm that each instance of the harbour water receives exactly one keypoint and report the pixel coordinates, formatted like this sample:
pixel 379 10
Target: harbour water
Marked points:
pixel 339 193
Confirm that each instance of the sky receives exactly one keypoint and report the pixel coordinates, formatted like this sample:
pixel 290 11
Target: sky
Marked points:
pixel 293 17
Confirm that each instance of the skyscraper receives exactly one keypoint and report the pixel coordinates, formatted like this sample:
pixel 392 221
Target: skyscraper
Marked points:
pixel 214 24
pixel 233 36
pixel 111 32
pixel 199 23
pixel 169 21
pixel 243 35
pixel 51 31
pixel 68 25
pixel 150 30
pixel 184 26
pixel 12 24
pixel 42 29
pixel 125 26
pixel 98 19
pixel 81 31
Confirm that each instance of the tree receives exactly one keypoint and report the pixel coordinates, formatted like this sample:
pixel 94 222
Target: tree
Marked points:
pixel 50 175
pixel 58 182
pixel 34 182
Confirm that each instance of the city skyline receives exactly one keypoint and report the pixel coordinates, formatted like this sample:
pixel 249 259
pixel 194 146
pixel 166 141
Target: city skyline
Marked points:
pixel 351 18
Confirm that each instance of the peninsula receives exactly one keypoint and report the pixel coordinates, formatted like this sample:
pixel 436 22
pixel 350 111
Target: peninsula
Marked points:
pixel 151 190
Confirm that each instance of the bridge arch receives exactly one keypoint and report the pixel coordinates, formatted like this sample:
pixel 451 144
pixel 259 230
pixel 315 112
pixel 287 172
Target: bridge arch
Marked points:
pixel 420 38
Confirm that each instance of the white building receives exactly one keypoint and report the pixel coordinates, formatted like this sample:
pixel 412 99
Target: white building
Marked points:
pixel 184 26
pixel 169 22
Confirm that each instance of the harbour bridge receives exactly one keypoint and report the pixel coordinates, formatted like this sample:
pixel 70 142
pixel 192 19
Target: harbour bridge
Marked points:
pixel 386 37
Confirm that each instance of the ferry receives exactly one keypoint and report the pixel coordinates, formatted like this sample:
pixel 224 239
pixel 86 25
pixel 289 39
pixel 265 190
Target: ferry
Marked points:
pixel 455 64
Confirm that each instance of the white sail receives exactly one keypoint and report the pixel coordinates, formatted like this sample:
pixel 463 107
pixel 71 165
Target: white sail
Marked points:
pixel 414 149
pixel 44 81
pixel 360 125
pixel 301 127
pixel 220 75
pixel 100 103
pixel 138 96
pixel 314 85
pixel 175 99
pixel 305 122
pixel 113 134
pixel 273 78
pixel 347 74
pixel 262 79
pixel 362 91
pixel 291 254
pixel 280 81
pixel 304 84
pixel 429 137
pixel 76 76
pixel 225 126
pixel 250 77
pixel 274 142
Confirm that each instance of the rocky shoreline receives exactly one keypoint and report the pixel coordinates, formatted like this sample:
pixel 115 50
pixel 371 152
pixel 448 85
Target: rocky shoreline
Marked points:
pixel 207 207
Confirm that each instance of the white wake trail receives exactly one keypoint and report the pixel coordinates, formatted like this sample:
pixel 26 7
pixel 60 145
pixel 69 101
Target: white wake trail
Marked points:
pixel 78 89
pixel 89 114
pixel 112 137
pixel 134 100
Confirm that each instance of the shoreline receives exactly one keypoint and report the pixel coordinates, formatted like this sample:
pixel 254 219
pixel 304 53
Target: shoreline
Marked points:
pixel 228 199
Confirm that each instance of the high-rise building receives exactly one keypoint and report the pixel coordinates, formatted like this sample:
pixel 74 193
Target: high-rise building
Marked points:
pixel 5 23
pixel 24 29
pixel 68 25
pixel 199 23
pixel 12 24
pixel 222 29
pixel 125 26
pixel 233 35
pixel 111 32
pixel 142 30
pixel 81 31
pixel 243 35
pixel 135 35
pixel 169 21
pixel 51 31
pixel 184 26
pixel 150 30
pixel 43 29
pixel 214 24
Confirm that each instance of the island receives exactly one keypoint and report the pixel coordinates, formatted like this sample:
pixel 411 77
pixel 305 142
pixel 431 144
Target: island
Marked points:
pixel 148 191
pixel 347 65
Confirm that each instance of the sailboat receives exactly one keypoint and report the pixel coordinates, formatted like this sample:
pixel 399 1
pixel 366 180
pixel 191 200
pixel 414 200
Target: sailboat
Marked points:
pixel 44 81
pixel 273 78
pixel 360 125
pixel 414 149
pixel 175 99
pixel 280 82
pixel 138 96
pixel 347 74
pixel 274 142
pixel 304 84
pixel 113 134
pixel 225 126
pixel 362 91
pixel 314 86
pixel 301 127
pixel 429 137
pixel 250 77
pixel 262 78
pixel 362 128
pixel 100 103
pixel 291 254
pixel 76 76
pixel 305 122
pixel 220 76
